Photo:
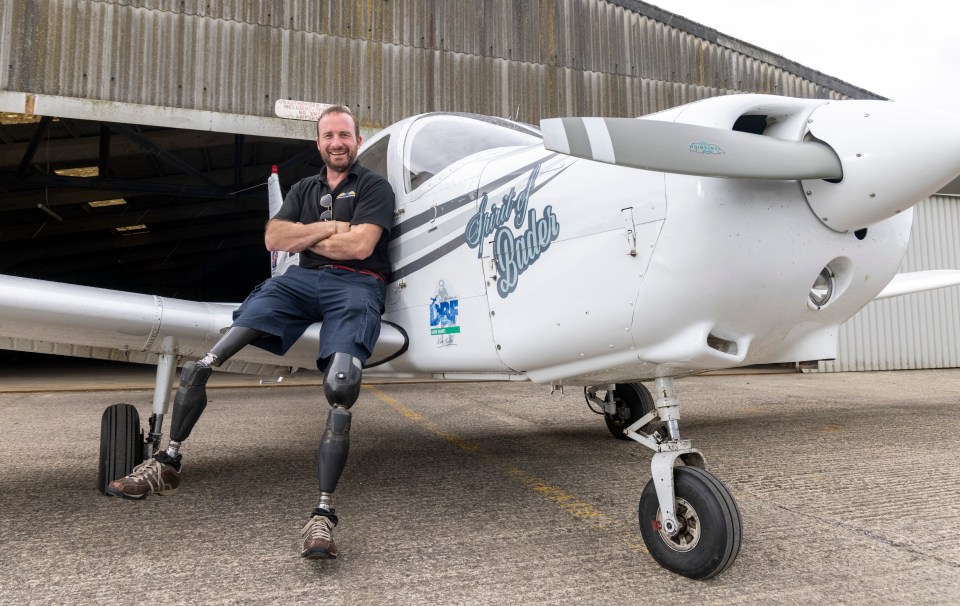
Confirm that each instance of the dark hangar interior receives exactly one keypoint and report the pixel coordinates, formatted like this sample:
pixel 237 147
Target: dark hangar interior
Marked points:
pixel 158 210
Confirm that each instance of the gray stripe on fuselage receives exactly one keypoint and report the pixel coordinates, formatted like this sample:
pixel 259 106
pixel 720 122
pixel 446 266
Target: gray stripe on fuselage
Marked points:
pixel 443 250
pixel 429 214
pixel 408 246
pixel 428 258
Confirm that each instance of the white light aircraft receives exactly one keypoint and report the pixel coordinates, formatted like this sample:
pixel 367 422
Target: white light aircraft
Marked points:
pixel 595 252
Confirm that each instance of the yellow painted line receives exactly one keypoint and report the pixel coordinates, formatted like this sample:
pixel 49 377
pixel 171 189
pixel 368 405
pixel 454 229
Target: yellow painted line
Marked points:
pixel 564 500
pixel 419 419
pixel 567 502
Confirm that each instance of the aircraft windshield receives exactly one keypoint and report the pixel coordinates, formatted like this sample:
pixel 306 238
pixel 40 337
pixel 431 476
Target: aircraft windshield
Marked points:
pixel 436 142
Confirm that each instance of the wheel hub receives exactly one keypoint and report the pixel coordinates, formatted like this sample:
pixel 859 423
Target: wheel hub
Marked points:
pixel 622 414
pixel 688 531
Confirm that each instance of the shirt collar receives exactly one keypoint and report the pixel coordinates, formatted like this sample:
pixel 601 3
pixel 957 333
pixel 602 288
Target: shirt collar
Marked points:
pixel 353 172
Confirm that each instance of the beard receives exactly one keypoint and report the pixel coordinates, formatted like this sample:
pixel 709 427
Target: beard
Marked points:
pixel 338 162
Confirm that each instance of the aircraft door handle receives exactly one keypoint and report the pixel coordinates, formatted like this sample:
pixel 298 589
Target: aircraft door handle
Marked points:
pixel 631 234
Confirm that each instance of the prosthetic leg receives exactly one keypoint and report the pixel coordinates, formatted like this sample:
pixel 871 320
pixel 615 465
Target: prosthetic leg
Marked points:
pixel 341 386
pixel 191 398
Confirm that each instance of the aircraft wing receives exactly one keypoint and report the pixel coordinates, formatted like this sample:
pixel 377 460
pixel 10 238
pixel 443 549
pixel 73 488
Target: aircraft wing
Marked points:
pixel 80 321
pixel 919 281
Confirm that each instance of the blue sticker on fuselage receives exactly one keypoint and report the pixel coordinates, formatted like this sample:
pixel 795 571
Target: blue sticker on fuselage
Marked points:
pixel 444 310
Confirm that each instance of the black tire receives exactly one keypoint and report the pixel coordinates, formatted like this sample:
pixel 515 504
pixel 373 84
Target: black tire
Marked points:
pixel 711 528
pixel 633 399
pixel 121 443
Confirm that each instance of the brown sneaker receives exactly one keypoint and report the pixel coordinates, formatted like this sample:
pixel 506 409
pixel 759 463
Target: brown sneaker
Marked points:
pixel 317 542
pixel 149 477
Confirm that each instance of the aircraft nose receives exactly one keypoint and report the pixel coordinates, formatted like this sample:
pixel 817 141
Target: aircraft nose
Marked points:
pixel 893 156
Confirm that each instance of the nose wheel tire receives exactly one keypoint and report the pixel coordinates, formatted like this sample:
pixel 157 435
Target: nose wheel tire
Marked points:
pixel 633 401
pixel 121 443
pixel 710 531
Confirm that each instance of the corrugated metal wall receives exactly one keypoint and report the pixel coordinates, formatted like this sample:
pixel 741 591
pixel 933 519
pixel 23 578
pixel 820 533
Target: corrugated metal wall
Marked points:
pixel 913 331
pixel 387 59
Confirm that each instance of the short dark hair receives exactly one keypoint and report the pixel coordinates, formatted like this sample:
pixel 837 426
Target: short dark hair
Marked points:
pixel 339 109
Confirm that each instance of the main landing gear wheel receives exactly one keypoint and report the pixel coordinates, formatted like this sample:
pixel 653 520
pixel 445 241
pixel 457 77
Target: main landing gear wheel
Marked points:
pixel 121 443
pixel 710 530
pixel 633 401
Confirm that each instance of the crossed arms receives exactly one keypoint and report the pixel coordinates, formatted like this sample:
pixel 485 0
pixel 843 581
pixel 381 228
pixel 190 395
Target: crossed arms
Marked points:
pixel 333 239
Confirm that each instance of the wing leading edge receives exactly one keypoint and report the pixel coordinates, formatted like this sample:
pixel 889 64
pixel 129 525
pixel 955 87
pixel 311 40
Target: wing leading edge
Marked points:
pixel 920 281
pixel 82 321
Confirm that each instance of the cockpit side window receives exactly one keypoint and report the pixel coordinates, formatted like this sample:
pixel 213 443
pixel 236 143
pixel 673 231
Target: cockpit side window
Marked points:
pixel 436 142
pixel 375 157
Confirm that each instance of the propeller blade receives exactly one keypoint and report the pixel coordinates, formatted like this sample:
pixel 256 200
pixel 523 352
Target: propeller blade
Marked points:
pixel 687 149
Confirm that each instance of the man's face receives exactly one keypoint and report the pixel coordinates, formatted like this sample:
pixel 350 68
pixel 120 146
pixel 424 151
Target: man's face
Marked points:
pixel 337 141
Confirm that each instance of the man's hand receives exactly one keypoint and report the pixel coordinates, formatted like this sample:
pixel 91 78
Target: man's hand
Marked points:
pixel 296 237
pixel 356 242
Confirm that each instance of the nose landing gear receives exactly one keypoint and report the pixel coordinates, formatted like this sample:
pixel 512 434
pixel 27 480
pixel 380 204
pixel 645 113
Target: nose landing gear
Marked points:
pixel 689 520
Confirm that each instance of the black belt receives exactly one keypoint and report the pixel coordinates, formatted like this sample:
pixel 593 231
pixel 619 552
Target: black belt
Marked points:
pixel 367 272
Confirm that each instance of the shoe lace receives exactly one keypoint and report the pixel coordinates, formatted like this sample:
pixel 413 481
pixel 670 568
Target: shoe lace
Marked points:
pixel 149 471
pixel 319 528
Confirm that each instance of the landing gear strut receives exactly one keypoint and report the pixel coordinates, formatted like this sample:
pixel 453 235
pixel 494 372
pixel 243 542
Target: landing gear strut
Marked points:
pixel 123 444
pixel 689 521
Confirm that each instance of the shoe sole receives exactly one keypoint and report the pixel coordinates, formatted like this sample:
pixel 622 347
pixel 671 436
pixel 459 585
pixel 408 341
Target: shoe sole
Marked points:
pixel 318 554
pixel 138 497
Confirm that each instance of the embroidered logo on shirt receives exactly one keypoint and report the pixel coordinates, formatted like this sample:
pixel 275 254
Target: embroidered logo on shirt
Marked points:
pixel 347 194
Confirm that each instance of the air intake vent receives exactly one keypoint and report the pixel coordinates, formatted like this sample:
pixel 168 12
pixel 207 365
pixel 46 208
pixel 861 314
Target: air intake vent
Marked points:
pixel 722 345
pixel 751 123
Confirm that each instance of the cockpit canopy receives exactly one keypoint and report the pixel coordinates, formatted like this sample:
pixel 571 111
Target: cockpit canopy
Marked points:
pixel 433 142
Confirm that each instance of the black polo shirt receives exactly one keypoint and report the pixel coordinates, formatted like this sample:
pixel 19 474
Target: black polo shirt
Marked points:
pixel 362 197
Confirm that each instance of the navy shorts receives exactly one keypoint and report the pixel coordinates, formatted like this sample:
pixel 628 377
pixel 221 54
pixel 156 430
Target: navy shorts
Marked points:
pixel 348 303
